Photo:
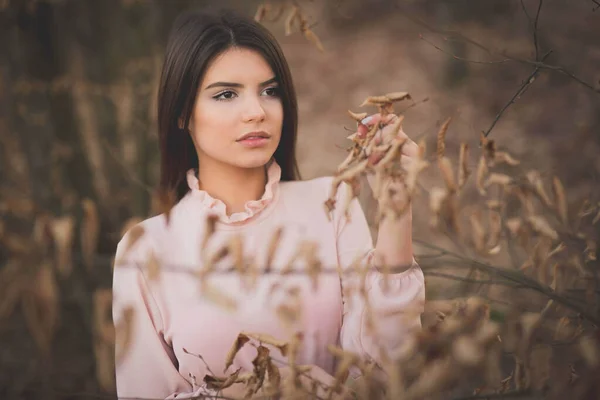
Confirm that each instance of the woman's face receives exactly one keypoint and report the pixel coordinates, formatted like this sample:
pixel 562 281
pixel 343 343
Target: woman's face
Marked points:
pixel 237 96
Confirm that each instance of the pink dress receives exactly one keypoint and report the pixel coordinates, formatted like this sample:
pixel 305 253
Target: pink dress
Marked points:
pixel 171 318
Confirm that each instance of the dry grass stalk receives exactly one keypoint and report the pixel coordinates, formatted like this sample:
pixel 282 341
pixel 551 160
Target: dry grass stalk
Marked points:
pixel 90 232
pixel 62 231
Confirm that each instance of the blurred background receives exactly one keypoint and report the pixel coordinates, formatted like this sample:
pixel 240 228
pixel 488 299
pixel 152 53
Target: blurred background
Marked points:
pixel 78 139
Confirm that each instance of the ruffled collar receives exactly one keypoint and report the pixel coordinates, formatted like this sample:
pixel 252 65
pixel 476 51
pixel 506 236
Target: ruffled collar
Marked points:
pixel 252 207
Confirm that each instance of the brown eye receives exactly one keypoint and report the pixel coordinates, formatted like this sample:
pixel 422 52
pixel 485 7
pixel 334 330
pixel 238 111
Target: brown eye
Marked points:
pixel 272 91
pixel 224 96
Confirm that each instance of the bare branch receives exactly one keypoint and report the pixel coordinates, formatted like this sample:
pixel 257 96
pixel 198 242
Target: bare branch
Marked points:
pixel 519 92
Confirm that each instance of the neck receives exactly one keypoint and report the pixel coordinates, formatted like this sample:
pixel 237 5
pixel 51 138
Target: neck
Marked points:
pixel 233 185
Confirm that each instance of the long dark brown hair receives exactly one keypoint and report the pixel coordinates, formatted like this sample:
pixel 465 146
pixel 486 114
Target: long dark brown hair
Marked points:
pixel 195 40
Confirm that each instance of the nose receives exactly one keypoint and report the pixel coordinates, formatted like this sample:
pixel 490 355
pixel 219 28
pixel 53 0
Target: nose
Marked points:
pixel 254 110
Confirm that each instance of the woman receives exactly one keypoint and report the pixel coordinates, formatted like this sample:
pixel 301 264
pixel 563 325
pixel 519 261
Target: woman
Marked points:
pixel 227 126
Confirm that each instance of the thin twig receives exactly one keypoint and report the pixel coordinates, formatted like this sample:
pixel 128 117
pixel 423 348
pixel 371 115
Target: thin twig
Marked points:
pixel 519 92
pixel 473 42
pixel 462 58
pixel 535 24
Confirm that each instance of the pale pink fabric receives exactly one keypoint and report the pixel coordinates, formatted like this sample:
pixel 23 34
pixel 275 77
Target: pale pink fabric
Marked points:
pixel 172 317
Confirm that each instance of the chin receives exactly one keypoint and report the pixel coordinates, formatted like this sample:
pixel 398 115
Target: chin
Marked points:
pixel 253 161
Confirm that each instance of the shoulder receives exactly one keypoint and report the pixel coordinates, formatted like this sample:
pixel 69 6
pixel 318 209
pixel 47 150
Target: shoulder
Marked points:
pixel 142 235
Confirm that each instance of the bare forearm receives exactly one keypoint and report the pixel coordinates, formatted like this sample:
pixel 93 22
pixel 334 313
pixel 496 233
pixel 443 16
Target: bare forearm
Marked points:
pixel 394 242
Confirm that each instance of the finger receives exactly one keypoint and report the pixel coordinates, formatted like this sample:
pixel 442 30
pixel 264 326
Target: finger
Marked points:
pixel 371 120
pixel 362 130
pixel 410 149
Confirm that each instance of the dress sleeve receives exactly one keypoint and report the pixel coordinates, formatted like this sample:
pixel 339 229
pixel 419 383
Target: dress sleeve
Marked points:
pixel 145 365
pixel 396 308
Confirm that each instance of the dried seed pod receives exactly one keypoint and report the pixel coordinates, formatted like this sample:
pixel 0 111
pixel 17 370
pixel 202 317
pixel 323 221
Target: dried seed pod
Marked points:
pixel 313 38
pixel 441 138
pixel 261 12
pixel 358 117
pixel 463 165
pixel 542 226
pixel 482 171
pixel 535 179
pixel 498 179
pixel 398 96
pixel 503 157
pixel 375 100
pixel 495 229
pixel 445 166
pixel 477 230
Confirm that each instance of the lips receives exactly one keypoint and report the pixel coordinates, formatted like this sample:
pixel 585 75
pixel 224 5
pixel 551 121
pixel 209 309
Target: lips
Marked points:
pixel 254 135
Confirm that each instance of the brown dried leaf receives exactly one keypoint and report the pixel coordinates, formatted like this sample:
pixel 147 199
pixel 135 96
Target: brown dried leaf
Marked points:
pixel 135 233
pixel 588 347
pixel 218 297
pixel 467 351
pixel 514 225
pixel 561 200
pixel 163 201
pixel 268 339
pixel 260 12
pixel 209 230
pixel 90 231
pixel 152 266
pixel 289 21
pixel 357 116
pixel 441 138
pixel 124 334
pixel 495 229
pixel 240 341
pixel 314 39
pixel 273 245
pixel 103 327
pixel 104 357
pixel 437 196
pixel 62 231
pixel 489 148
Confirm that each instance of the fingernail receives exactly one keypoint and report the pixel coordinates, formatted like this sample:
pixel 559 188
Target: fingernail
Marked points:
pixel 366 120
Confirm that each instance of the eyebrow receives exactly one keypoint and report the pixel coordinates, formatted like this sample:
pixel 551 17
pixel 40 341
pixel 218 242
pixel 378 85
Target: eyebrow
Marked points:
pixel 237 85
